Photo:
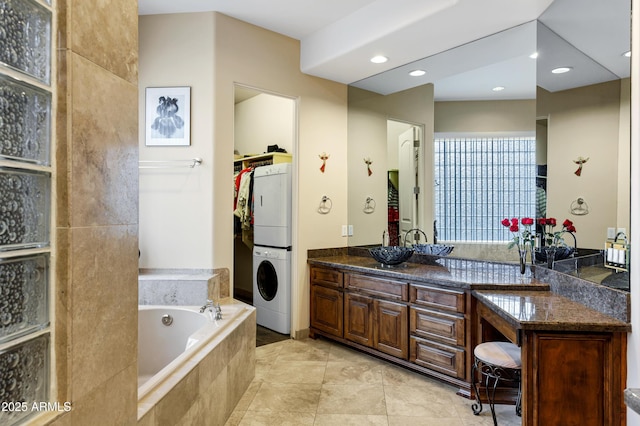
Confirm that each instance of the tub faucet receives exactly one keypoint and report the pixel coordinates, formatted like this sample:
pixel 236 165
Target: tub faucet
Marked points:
pixel 212 307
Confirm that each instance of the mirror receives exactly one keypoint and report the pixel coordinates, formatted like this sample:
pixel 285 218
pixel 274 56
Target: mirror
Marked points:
pixel 600 134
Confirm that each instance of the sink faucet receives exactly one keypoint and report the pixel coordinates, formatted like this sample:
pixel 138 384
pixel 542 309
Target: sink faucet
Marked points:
pixel 215 311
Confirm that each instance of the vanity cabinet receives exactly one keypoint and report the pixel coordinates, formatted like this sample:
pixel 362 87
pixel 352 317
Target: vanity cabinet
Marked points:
pixel 420 327
pixel 437 329
pixel 372 318
pixel 377 324
pixel 327 301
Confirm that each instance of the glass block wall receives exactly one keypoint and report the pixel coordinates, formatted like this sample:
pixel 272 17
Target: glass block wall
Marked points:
pixel 26 112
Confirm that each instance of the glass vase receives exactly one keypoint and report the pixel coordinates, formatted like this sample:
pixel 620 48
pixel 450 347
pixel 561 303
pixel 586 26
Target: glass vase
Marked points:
pixel 522 256
pixel 550 251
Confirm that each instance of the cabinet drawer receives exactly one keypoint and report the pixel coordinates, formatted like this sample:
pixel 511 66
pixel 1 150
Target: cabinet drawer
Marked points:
pixel 389 289
pixel 450 300
pixel 435 356
pixel 440 326
pixel 327 277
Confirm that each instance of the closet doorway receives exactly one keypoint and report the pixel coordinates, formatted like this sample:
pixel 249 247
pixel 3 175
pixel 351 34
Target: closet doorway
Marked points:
pixel 264 133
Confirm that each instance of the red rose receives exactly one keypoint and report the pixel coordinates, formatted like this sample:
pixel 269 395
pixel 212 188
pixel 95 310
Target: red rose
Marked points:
pixel 567 223
pixel 514 228
pixel 527 221
pixel 571 228
pixel 514 221
pixel 542 221
pixel 551 221
pixel 505 222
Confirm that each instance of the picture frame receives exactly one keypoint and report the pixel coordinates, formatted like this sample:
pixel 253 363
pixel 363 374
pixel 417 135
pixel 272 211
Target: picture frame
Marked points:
pixel 168 116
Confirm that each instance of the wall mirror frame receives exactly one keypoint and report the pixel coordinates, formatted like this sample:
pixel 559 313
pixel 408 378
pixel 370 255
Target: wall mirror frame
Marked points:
pixel 594 124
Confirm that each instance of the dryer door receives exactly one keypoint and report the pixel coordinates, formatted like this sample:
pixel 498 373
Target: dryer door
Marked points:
pixel 267 280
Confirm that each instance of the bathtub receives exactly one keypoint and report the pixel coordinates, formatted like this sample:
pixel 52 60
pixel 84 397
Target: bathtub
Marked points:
pixel 173 340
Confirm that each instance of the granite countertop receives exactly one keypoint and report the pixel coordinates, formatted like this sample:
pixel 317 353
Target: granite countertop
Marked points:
pixel 547 311
pixel 632 399
pixel 451 272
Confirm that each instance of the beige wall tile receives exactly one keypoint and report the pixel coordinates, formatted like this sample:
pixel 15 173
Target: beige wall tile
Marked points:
pixel 104 317
pixel 212 366
pixel 214 401
pixel 106 33
pixel 112 402
pixel 171 409
pixel 104 147
pixel 63 420
pixel 62 311
pixel 149 419
pixel 61 153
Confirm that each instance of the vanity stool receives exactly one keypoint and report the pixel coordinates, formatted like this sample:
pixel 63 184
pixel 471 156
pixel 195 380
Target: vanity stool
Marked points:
pixel 496 361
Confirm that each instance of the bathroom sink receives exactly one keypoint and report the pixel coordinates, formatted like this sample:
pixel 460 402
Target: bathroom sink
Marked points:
pixel 391 255
pixel 433 249
pixel 560 254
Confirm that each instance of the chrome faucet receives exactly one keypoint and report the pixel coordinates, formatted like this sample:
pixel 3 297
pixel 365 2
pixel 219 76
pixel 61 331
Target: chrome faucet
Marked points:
pixel 213 308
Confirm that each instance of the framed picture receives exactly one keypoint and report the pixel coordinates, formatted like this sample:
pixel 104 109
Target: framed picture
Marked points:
pixel 168 116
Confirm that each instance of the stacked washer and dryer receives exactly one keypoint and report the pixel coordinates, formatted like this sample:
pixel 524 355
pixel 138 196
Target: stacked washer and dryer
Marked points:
pixel 272 246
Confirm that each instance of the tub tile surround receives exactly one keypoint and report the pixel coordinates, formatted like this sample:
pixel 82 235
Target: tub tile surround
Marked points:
pixel 182 287
pixel 206 388
pixel 96 214
pixel 100 291
pixel 116 49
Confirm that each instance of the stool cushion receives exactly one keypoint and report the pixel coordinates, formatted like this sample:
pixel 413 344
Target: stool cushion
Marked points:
pixel 503 354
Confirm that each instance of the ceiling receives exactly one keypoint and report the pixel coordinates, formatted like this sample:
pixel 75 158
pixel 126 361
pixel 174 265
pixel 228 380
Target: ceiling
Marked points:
pixel 338 37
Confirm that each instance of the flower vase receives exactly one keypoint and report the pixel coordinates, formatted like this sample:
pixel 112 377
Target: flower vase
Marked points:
pixel 522 255
pixel 550 251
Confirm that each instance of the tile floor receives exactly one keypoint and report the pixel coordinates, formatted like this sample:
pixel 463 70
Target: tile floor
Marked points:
pixel 318 382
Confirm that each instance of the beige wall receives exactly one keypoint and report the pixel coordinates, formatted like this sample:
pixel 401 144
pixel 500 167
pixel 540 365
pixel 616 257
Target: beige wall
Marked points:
pixel 262 121
pixel 586 122
pixel 227 52
pixel 368 114
pixel 96 228
pixel 176 205
pixel 485 116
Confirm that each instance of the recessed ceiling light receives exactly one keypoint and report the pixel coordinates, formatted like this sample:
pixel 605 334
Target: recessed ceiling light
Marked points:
pixel 534 55
pixel 379 59
pixel 498 89
pixel 627 54
pixel 417 73
pixel 561 70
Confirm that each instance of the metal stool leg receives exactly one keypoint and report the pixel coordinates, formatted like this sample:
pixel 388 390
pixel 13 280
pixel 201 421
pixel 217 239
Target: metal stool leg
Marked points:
pixel 519 400
pixel 491 398
pixel 492 375
pixel 477 406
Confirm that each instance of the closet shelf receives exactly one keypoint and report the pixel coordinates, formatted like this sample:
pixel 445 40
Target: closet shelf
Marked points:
pixel 241 163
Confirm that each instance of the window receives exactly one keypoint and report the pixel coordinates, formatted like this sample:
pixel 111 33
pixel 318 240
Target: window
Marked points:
pixel 481 180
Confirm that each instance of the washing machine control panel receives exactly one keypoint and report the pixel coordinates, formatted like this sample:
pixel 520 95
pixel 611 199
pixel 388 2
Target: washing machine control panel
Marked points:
pixel 269 253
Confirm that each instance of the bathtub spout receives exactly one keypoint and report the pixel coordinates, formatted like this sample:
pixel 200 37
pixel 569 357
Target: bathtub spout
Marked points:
pixel 214 309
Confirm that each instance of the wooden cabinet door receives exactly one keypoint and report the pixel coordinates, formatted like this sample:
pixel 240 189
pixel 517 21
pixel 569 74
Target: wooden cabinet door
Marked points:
pixel 574 379
pixel 326 309
pixel 358 319
pixel 391 330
